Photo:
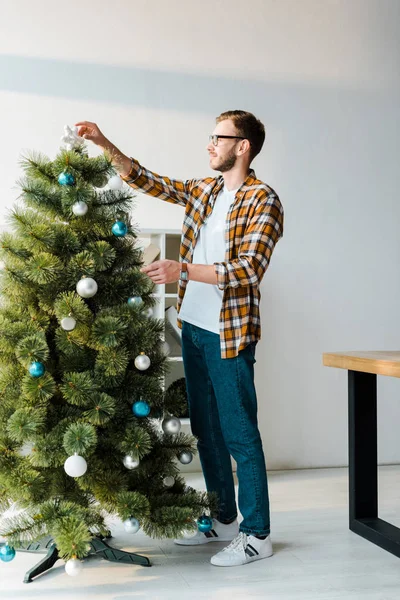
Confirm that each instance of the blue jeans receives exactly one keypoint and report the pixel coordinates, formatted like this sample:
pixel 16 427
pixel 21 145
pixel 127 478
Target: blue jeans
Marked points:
pixel 223 415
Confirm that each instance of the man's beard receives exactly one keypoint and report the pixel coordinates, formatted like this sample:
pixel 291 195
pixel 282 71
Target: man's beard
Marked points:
pixel 227 163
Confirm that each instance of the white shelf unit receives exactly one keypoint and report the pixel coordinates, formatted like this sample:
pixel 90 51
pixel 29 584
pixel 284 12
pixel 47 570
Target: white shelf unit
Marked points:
pixel 168 240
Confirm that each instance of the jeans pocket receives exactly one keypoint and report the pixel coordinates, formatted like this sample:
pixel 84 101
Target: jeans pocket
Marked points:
pixel 251 349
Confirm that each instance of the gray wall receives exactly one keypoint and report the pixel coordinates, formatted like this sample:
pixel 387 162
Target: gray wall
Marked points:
pixel 324 78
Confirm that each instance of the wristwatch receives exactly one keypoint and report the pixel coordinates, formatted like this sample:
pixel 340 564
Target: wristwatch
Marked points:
pixel 184 276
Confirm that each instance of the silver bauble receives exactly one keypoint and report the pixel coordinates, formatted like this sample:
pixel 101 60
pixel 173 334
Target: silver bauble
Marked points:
pixel 185 457
pixel 142 362
pixel 168 481
pixel 86 287
pixel 189 533
pixel 80 208
pixel 131 525
pixel 73 567
pixel 171 425
pixel 115 183
pixel 130 462
pixel 149 312
pixel 68 323
pixel 100 180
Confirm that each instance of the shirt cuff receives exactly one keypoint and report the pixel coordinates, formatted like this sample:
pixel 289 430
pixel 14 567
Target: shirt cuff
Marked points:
pixel 222 275
pixel 134 172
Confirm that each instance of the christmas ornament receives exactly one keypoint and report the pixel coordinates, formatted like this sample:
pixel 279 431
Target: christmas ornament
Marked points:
pixel 75 466
pixel 66 179
pixel 68 323
pixel 100 181
pixel 171 425
pixel 165 348
pixel 204 524
pixel 135 301
pixel 131 525
pixel 168 481
pixel 7 553
pixel 86 287
pixel 119 229
pixel 37 369
pixel 142 362
pixel 141 408
pixel 26 449
pixel 189 533
pixel 130 462
pixel 115 183
pixel 185 457
pixel 73 567
pixel 149 312
pixel 80 208
pixel 71 139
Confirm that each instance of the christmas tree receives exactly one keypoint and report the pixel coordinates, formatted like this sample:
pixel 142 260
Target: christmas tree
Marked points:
pixel 86 429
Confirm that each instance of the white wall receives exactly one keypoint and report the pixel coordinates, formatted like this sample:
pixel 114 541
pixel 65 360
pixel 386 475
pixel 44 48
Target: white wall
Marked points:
pixel 323 76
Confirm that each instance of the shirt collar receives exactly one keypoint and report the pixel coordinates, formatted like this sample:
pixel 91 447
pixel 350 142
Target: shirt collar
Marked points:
pixel 251 177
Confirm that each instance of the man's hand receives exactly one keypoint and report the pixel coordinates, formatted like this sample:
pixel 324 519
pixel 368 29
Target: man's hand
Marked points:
pixel 163 271
pixel 90 131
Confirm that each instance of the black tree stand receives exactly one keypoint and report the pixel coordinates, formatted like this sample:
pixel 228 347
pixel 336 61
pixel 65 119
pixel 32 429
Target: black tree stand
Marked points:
pixel 98 547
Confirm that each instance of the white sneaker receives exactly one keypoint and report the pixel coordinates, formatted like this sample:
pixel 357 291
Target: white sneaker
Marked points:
pixel 220 532
pixel 242 550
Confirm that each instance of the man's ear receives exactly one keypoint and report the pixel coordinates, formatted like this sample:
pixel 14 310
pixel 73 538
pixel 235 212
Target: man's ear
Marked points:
pixel 244 147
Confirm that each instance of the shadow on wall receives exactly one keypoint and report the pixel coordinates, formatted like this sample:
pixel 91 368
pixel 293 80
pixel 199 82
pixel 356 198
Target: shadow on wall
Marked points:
pixel 160 89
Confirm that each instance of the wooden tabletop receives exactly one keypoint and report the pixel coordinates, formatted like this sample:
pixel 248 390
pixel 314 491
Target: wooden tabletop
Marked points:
pixel 377 362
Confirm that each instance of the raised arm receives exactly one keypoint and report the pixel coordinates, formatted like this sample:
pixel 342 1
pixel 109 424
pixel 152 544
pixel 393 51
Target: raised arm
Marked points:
pixel 135 175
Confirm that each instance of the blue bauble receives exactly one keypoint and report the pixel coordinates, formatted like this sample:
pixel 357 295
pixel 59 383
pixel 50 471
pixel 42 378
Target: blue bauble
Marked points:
pixel 204 524
pixel 7 553
pixel 119 228
pixel 135 301
pixel 141 408
pixel 37 369
pixel 66 179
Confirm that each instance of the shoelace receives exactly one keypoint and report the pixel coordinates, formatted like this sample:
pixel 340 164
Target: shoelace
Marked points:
pixel 238 543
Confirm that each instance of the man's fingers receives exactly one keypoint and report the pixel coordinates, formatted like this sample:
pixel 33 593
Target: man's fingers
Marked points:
pixel 153 273
pixel 86 129
pixel 86 123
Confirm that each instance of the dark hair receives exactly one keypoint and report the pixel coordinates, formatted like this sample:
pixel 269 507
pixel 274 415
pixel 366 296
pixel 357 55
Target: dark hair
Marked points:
pixel 248 126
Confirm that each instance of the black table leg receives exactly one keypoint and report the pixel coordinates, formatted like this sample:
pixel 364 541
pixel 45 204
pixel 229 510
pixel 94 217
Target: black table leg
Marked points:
pixel 363 465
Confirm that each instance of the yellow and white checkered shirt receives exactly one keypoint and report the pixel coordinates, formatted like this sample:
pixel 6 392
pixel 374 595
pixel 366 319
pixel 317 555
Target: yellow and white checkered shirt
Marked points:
pixel 255 225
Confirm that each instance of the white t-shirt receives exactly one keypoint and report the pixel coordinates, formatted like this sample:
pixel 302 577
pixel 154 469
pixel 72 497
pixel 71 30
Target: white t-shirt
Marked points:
pixel 202 302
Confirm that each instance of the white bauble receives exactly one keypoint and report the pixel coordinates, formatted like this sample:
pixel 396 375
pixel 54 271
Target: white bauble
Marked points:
pixel 131 525
pixel 130 462
pixel 75 466
pixel 115 183
pixel 68 323
pixel 86 287
pixel 142 362
pixel 168 481
pixel 171 425
pixel 26 449
pixel 80 209
pixel 149 312
pixel 73 567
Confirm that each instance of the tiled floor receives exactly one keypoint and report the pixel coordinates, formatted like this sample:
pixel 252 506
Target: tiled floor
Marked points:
pixel 316 556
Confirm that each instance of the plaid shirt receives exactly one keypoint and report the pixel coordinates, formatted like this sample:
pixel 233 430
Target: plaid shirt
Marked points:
pixel 255 224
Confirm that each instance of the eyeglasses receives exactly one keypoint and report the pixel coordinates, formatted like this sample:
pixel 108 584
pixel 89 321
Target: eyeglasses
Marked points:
pixel 214 138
